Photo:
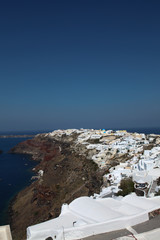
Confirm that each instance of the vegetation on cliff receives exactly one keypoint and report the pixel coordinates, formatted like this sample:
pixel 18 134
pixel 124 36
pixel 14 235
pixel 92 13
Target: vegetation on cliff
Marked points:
pixel 126 186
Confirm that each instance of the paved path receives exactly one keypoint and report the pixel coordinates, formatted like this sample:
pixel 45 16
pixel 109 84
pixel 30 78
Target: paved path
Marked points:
pixel 139 228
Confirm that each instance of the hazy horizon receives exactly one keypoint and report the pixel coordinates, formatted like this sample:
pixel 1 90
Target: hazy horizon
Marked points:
pixel 146 130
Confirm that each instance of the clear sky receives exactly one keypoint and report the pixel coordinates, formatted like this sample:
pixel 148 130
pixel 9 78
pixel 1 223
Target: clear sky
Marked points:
pixel 79 63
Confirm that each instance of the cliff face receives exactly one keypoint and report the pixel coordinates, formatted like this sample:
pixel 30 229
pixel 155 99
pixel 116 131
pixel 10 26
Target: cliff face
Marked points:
pixel 66 176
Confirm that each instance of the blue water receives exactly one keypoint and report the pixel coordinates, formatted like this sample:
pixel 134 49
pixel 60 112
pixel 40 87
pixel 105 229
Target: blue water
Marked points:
pixel 15 174
pixel 143 130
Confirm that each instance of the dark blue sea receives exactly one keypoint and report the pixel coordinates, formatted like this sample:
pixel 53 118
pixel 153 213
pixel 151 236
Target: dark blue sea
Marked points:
pixel 16 170
pixel 15 174
pixel 144 130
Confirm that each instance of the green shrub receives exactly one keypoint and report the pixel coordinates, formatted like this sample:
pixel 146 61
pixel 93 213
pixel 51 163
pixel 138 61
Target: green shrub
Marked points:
pixel 126 186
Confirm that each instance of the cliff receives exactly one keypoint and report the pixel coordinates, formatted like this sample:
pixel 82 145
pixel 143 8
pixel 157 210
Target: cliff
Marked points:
pixel 63 176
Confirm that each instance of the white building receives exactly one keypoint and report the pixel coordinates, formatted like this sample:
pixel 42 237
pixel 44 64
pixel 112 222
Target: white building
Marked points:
pixel 86 216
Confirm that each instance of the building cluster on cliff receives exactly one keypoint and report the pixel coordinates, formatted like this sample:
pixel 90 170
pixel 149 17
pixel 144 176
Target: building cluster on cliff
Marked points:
pixel 125 154
pixel 122 155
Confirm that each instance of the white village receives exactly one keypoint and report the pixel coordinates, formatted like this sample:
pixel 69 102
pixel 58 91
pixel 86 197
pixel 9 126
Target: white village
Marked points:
pixel 139 160
pixel 130 157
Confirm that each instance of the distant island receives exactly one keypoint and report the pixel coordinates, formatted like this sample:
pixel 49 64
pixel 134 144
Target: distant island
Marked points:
pixel 16 136
pixel 0 151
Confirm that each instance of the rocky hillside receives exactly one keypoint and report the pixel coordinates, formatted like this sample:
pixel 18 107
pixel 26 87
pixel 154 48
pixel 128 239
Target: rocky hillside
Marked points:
pixel 62 175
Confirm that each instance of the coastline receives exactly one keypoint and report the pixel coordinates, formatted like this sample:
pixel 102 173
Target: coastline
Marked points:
pixel 9 210
pixel 66 176
pixel 15 174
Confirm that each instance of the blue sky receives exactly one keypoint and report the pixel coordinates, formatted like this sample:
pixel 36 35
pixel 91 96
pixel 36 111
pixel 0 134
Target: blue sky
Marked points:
pixel 83 63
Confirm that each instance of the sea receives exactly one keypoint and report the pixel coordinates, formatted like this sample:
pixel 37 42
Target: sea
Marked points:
pixel 16 169
pixel 15 172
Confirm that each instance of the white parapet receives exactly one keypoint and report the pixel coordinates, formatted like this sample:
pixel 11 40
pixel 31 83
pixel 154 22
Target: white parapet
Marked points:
pixel 5 233
pixel 86 216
